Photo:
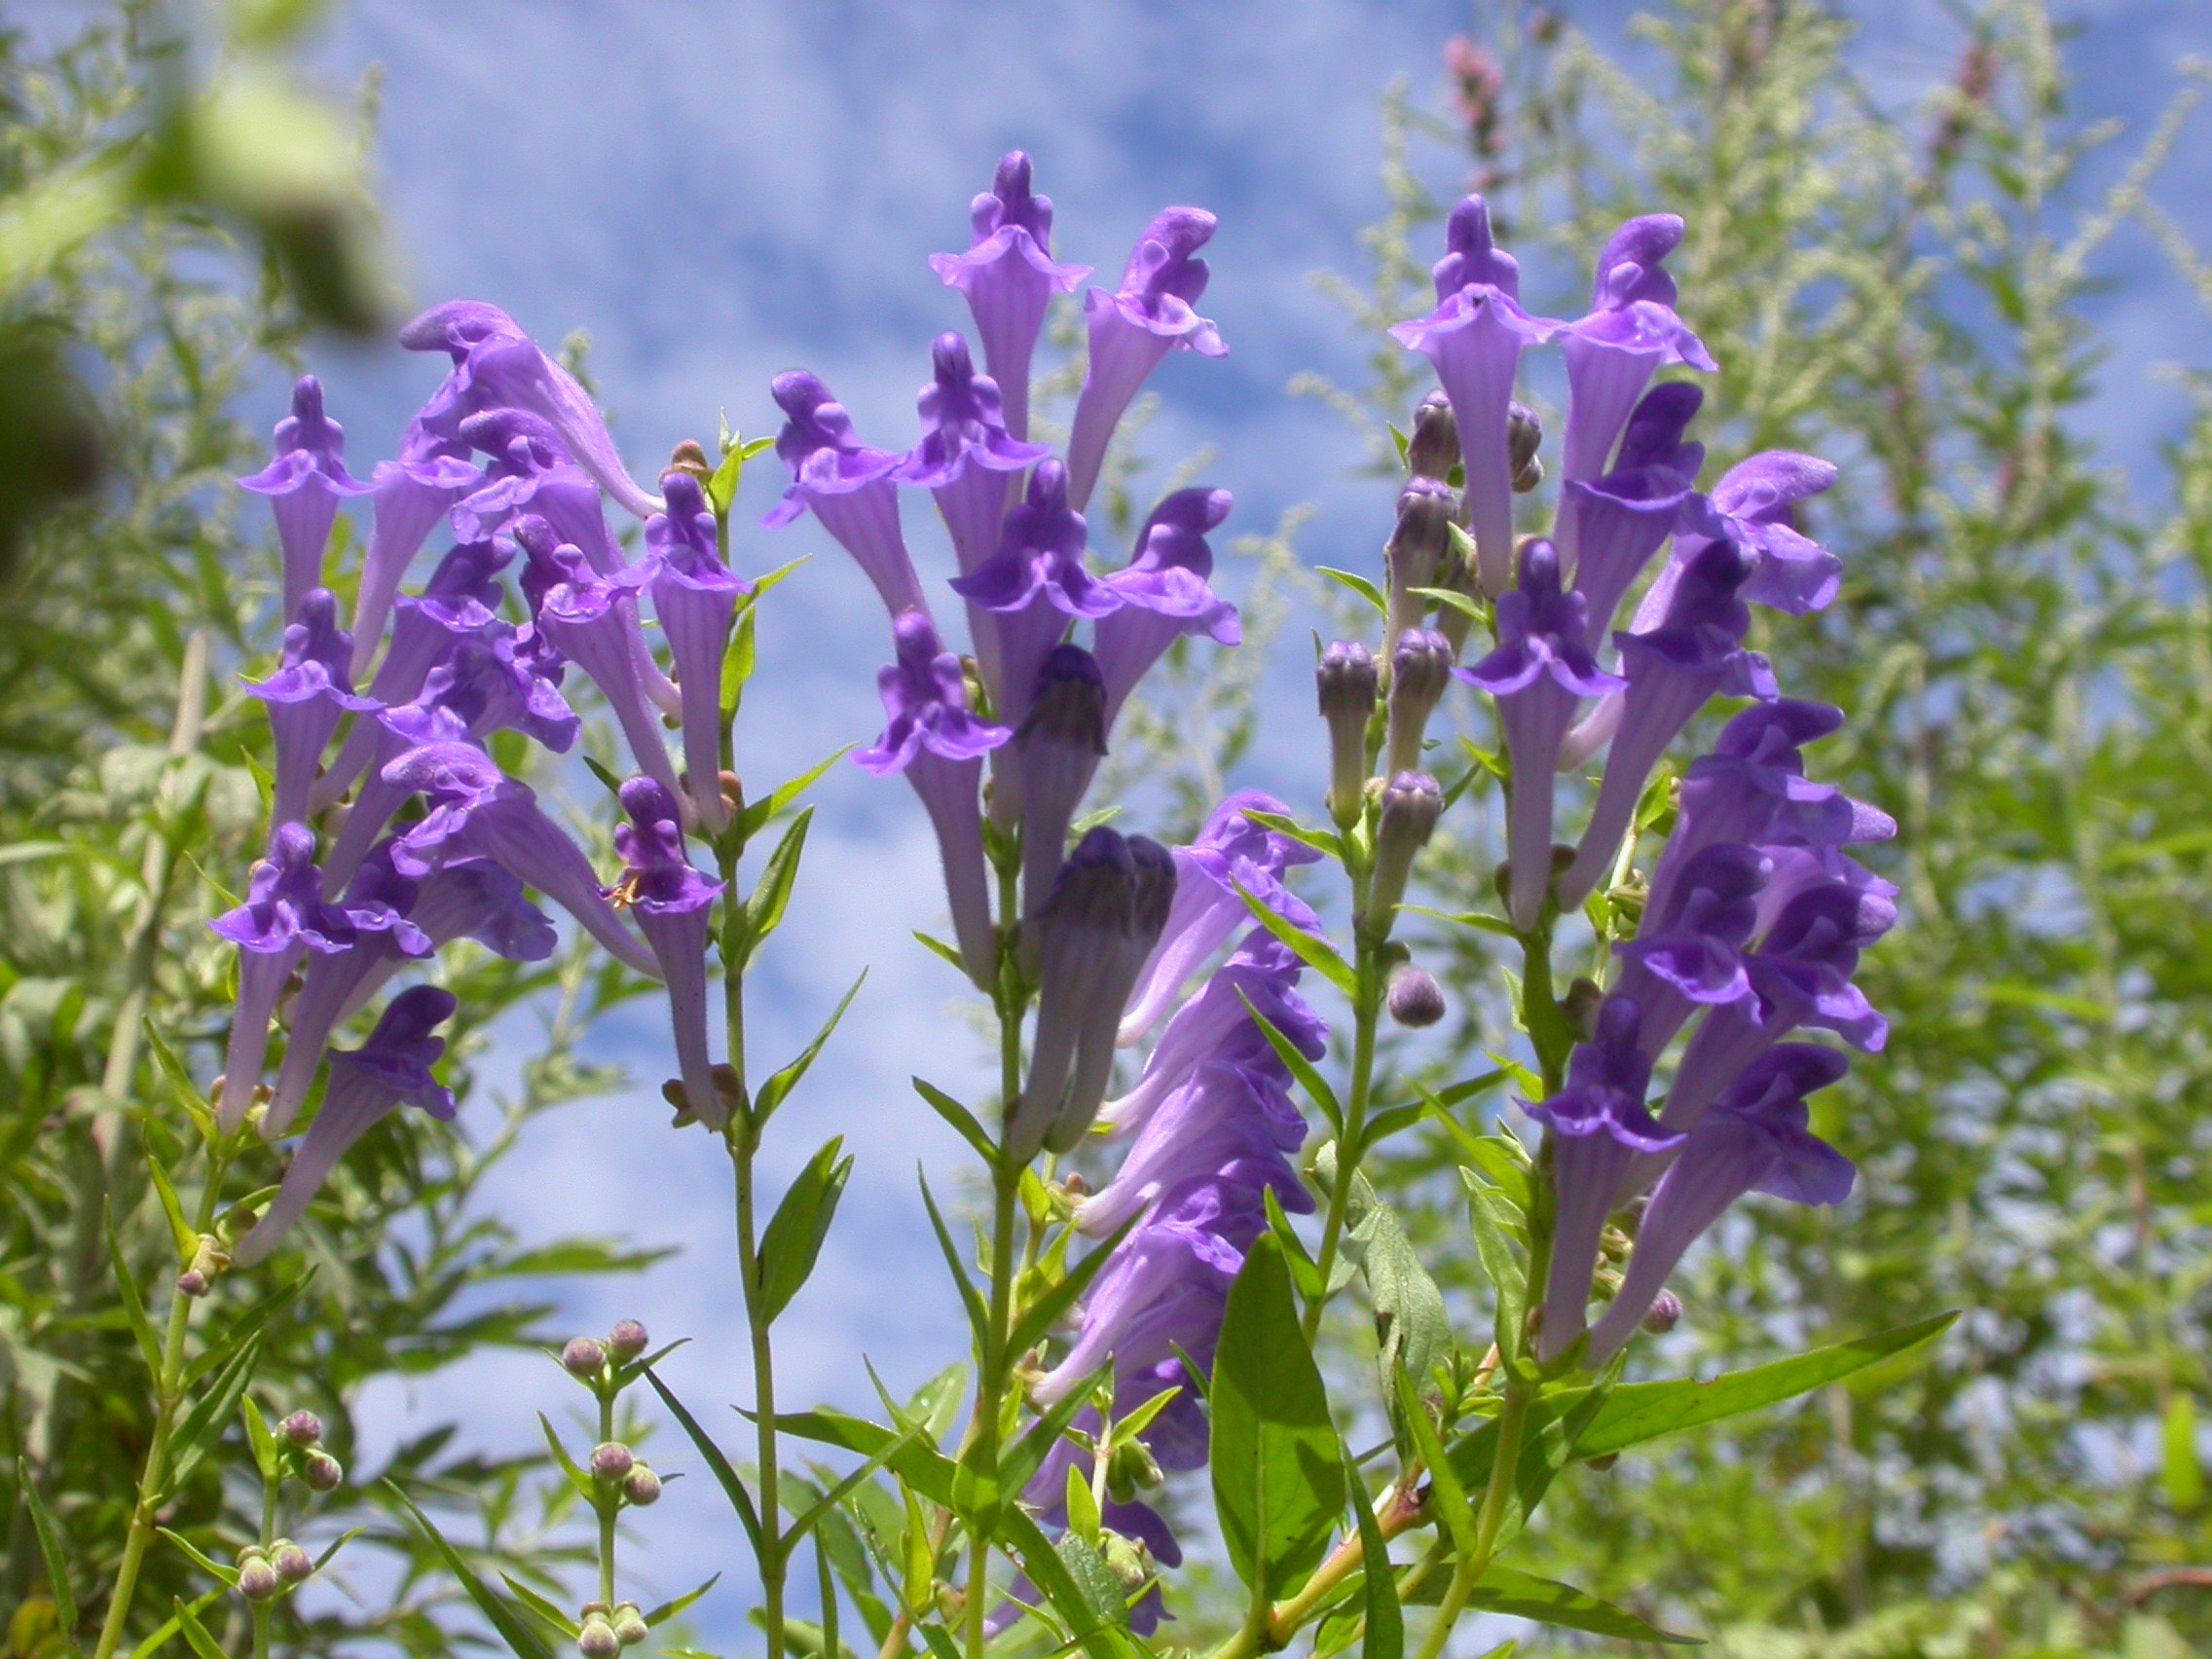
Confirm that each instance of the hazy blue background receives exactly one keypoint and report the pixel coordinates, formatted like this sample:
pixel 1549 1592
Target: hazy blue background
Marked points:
pixel 719 191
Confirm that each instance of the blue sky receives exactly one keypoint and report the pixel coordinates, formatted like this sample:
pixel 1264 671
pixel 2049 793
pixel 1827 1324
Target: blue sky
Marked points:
pixel 719 191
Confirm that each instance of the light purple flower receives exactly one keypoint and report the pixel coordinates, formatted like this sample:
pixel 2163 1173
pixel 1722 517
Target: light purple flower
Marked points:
pixel 1475 337
pixel 1092 934
pixel 471 899
pixel 304 482
pixel 367 1083
pixel 1035 582
pixel 412 493
pixel 1230 852
pixel 306 696
pixel 965 451
pixel 1541 666
pixel 588 619
pixel 1609 527
pixel 695 597
pixel 1133 328
pixel 1010 275
pixel 673 904
pixel 1596 1125
pixel 846 485
pixel 1754 506
pixel 1689 955
pixel 1223 1119
pixel 1695 655
pixel 1057 749
pixel 531 472
pixel 1164 592
pixel 1754 1139
pixel 1631 331
pixel 931 735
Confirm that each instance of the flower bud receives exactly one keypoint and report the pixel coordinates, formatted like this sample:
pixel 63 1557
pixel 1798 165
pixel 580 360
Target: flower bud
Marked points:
pixel 1524 432
pixel 1415 552
pixel 641 1486
pixel 302 1428
pixel 1433 449
pixel 688 456
pixel 612 1458
pixel 1345 683
pixel 1129 1559
pixel 1414 997
pixel 626 1340
pixel 1131 1469
pixel 629 1624
pixel 321 1471
pixel 1411 803
pixel 192 1282
pixel 1580 1006
pixel 257 1579
pixel 293 1564
pixel 1421 668
pixel 583 1358
pixel 1664 1313
pixel 597 1639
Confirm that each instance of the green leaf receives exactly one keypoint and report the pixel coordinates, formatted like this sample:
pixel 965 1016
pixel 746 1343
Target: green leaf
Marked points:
pixel 262 1443
pixel 1315 952
pixel 542 1608
pixel 1358 585
pixel 960 1118
pixel 585 1486
pixel 851 1482
pixel 518 1636
pixel 1312 1081
pixel 1101 1592
pixel 126 1292
pixel 196 1636
pixel 938 947
pixel 718 1466
pixel 923 1468
pixel 773 1091
pixel 764 905
pixel 168 1627
pixel 1445 1495
pixel 203 1426
pixel 1305 1272
pixel 756 814
pixel 1321 840
pixel 2182 1473
pixel 1081 1506
pixel 1524 1596
pixel 792 1239
pixel 241 1328
pixel 979 1317
pixel 1465 604
pixel 1501 1263
pixel 1278 1472
pixel 667 1610
pixel 1038 1440
pixel 1037 1322
pixel 1090 1624
pixel 607 780
pixel 1412 1330
pixel 1386 1617
pixel 229 1575
pixel 1644 1411
pixel 56 1552
pixel 185 1236
pixel 738 659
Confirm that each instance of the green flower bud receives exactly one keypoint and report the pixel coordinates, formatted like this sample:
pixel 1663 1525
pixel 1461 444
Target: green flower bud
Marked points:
pixel 629 1624
pixel 641 1486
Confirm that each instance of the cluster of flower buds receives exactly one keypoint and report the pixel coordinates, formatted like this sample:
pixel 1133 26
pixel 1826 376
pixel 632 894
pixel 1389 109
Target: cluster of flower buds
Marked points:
pixel 588 1358
pixel 267 1570
pixel 300 1438
pixel 604 1631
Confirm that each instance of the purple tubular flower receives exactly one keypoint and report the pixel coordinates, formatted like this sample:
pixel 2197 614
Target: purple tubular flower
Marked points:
pixel 1104 915
pixel 1631 331
pixel 1010 277
pixel 1133 328
pixel 1225 1119
pixel 588 619
pixel 1231 851
pixel 282 918
pixel 1057 747
pixel 412 493
pixel 965 451
pixel 695 597
pixel 1754 1139
pixel 1164 592
pixel 1035 582
pixel 1474 338
pixel 1690 954
pixel 471 899
pixel 304 482
pixel 673 904
pixel 1753 508
pixel 1608 527
pixel 392 1066
pixel 499 366
pixel 1541 666
pixel 476 811
pixel 306 696
pixel 1596 1125
pixel 1695 655
pixel 930 734
pixel 847 485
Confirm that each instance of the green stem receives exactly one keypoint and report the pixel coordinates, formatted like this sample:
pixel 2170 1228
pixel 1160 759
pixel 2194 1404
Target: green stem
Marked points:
pixel 608 1503
pixel 1490 1519
pixel 1366 1010
pixel 262 1610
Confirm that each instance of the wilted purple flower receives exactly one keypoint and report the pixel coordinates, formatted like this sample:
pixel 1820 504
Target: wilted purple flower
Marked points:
pixel 695 597
pixel 965 451
pixel 1057 749
pixel 847 486
pixel 499 366
pixel 588 619
pixel 1695 655
pixel 1475 337
pixel 1609 527
pixel 1754 1139
pixel 392 1066
pixel 1230 852
pixel 1035 582
pixel 673 904
pixel 1344 683
pixel 1690 954
pixel 1421 668
pixel 1596 1125
pixel 1541 666
pixel 531 472
pixel 1753 507
pixel 306 696
pixel 1010 277
pixel 1164 592
pixel 283 916
pixel 1134 327
pixel 304 482
pixel 412 493
pixel 931 736
pixel 1092 934
pixel 1632 329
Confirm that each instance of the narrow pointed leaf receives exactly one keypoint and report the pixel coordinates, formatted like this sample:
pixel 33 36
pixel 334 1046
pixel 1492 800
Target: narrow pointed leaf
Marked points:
pixel 1316 1085
pixel 718 1466
pixel 1524 1596
pixel 501 1613
pixel 1047 1309
pixel 1316 952
pixel 1385 1637
pixel 56 1552
pixel 961 1119
pixel 792 1242
pixel 773 1091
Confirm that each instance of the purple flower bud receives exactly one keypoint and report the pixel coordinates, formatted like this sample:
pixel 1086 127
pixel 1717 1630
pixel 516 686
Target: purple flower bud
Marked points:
pixel 846 485
pixel 695 597
pixel 611 1460
pixel 1345 682
pixel 1524 437
pixel 257 1579
pixel 1057 750
pixel 321 1471
pixel 1631 331
pixel 673 905
pixel 1164 593
pixel 1133 328
pixel 1035 582
pixel 1411 803
pixel 293 1564
pixel 1420 667
pixel 301 1429
pixel 308 694
pixel 1433 451
pixel 304 482
pixel 1415 555
pixel 640 1488
pixel 1414 997
pixel 626 1340
pixel 583 1358
pixel 1664 1313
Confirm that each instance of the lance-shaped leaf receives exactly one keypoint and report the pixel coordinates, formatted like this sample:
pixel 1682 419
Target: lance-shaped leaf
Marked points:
pixel 1412 1331
pixel 195 1636
pixel 718 1466
pixel 497 1608
pixel 1091 1625
pixel 667 1610
pixel 159 1638
pixel 1038 1321
pixel 756 814
pixel 1316 952
pixel 126 1290
pixel 203 1426
pixel 542 1608
pixel 181 1232
pixel 1385 1618
pixel 1277 1476
pixel 961 1119
pixel 1524 1596
pixel 57 1554
pixel 239 1331
pixel 1321 840
pixel 792 1239
pixel 1312 1081
pixel 764 907
pixel 773 1092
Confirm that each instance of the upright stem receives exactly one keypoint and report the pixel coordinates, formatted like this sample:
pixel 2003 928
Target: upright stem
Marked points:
pixel 609 1506
pixel 263 1609
pixel 1366 1011
pixel 1490 1519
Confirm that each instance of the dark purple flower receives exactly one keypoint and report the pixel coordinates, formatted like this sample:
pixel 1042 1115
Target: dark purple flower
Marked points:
pixel 673 904
pixel 1596 1126
pixel 308 694
pixel 1632 329
pixel 695 597
pixel 1010 277
pixel 1609 527
pixel 931 735
pixel 1753 507
pixel 392 1066
pixel 1134 327
pixel 1035 582
pixel 531 472
pixel 589 619
pixel 1054 753
pixel 1541 666
pixel 1416 556
pixel 965 451
pixel 846 485
pixel 1164 592
pixel 283 917
pixel 304 482
pixel 1689 955
pixel 1475 337
pixel 1405 818
pixel 1092 934
pixel 1754 1139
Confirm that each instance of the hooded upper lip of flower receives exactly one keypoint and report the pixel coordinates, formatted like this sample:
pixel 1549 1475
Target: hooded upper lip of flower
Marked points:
pixel 1164 278
pixel 1540 627
pixel 818 444
pixel 963 422
pixel 924 701
pixel 307 443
